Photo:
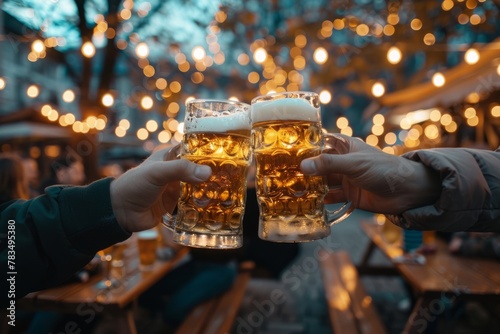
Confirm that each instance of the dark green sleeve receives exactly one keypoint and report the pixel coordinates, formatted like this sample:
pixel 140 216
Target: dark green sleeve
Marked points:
pixel 55 235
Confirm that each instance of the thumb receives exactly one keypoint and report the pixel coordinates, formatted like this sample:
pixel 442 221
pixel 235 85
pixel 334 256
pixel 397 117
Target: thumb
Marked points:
pixel 162 172
pixel 329 163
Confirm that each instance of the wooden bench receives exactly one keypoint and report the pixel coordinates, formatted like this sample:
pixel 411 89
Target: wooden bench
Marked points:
pixel 216 316
pixel 350 308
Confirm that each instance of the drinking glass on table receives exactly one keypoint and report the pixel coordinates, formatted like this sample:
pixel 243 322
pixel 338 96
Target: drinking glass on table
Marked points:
pixel 106 256
pixel 147 243
pixel 286 129
pixel 210 214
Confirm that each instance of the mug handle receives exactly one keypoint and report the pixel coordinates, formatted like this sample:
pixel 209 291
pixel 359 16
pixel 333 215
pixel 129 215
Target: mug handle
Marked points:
pixel 334 144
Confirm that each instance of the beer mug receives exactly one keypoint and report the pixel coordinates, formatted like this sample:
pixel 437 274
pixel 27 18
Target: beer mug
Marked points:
pixel 286 129
pixel 210 214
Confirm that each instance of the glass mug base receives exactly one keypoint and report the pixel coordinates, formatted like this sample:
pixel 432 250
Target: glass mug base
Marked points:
pixel 298 230
pixel 201 240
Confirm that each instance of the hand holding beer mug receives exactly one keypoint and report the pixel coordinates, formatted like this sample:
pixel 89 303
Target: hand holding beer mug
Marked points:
pixel 286 129
pixel 210 214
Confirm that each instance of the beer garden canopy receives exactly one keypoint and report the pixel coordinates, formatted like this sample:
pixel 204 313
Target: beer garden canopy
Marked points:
pixel 124 69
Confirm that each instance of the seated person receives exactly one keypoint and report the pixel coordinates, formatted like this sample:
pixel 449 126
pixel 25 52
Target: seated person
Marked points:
pixel 476 244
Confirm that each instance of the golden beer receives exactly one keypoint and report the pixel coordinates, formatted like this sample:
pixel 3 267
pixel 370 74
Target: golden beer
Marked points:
pixel 291 203
pixel 216 206
pixel 147 241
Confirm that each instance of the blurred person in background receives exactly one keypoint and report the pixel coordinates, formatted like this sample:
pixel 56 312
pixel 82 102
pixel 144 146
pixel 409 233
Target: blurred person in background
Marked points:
pixel 67 169
pixel 32 175
pixel 13 184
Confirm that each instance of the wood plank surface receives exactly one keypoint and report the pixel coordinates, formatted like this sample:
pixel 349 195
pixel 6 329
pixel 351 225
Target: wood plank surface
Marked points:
pixel 368 320
pixel 221 320
pixel 337 296
pixel 67 298
pixel 443 271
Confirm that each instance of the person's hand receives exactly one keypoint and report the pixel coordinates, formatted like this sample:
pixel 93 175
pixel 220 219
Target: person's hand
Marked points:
pixel 143 194
pixel 374 180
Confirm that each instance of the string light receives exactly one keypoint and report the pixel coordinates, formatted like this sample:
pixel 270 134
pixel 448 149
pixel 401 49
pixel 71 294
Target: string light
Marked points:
pixel 88 49
pixel 452 127
pixel 429 39
pixel 378 89
pixel 378 119
pixel 325 96
pixel 346 131
pixel 473 121
pixel 142 50
pixel 377 129
pixel 446 119
pixel 438 79
pixel 470 112
pixel 431 131
pixel 2 83
pixel 394 55
pixel 146 102
pixel 198 53
pixel 124 123
pixel 471 56
pixel 120 132
pixel 435 115
pixel 68 96
pixel 320 55
pixel 38 46
pixel 33 91
pixel 107 100
pixel 142 134
pixel 164 136
pixel 342 123
pixel 152 125
pixel 70 119
pixel 495 111
pixel 243 59
pixel 390 138
pixel 372 140
pixel 260 55
pixel 416 24
pixel 100 124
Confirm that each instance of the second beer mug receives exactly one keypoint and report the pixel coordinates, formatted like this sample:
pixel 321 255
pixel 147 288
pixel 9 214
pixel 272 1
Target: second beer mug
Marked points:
pixel 286 129
pixel 217 134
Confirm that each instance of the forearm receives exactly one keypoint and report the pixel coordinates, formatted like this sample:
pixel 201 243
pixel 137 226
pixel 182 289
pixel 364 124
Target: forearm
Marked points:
pixel 58 233
pixel 470 191
pixel 423 187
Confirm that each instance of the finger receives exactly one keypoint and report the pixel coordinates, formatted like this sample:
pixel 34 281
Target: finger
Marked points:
pixel 165 154
pixel 163 172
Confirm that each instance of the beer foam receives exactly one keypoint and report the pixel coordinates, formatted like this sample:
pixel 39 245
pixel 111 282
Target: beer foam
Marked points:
pixel 221 123
pixel 284 109
pixel 147 234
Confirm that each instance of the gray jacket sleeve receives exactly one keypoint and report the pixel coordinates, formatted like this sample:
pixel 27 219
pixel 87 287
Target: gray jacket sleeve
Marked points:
pixel 470 196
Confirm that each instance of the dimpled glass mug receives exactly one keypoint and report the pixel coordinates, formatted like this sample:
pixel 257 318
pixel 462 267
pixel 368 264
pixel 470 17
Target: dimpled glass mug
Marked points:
pixel 286 129
pixel 210 214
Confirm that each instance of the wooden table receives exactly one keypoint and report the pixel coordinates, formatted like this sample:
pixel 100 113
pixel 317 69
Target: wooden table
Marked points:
pixel 443 277
pixel 87 300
